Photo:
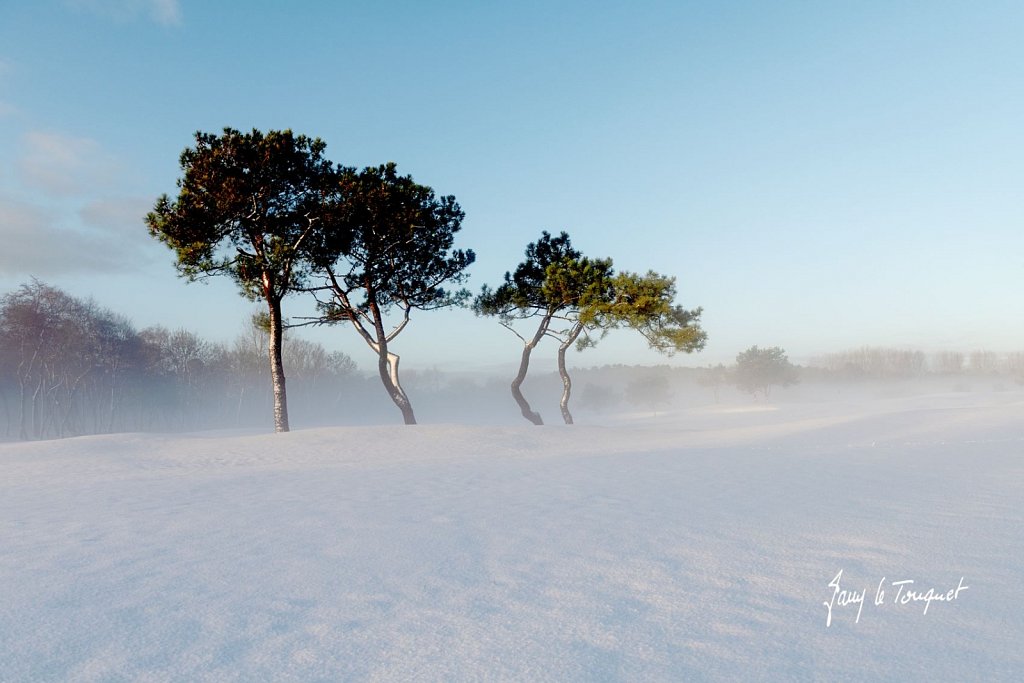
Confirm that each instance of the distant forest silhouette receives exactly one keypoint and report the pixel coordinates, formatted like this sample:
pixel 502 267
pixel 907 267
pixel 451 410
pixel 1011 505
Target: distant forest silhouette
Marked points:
pixel 69 367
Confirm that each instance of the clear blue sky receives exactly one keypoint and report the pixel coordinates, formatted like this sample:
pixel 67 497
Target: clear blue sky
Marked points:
pixel 818 175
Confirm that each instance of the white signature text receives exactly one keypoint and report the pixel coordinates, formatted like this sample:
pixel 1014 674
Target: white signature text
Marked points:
pixel 904 592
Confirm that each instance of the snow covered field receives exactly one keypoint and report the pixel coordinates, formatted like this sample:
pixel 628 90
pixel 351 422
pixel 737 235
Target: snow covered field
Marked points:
pixel 698 545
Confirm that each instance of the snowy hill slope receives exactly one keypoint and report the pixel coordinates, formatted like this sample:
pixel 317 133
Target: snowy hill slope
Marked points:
pixel 694 546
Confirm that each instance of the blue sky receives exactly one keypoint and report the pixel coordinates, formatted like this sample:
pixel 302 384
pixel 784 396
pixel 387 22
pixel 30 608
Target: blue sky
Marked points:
pixel 818 175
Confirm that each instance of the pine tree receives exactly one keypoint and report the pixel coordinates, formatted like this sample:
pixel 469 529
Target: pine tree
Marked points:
pixel 389 249
pixel 246 204
pixel 578 300
pixel 527 294
pixel 643 303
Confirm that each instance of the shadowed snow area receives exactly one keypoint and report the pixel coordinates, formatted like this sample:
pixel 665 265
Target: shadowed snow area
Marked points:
pixel 697 545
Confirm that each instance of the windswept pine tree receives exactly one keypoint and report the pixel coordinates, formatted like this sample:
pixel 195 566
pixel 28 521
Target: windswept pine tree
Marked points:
pixel 528 294
pixel 246 204
pixel 577 300
pixel 642 303
pixel 388 251
pixel 583 287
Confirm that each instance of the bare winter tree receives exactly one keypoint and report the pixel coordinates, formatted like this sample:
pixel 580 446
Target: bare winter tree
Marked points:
pixel 984 362
pixel 67 356
pixel 69 366
pixel 948 362
pixel 878 362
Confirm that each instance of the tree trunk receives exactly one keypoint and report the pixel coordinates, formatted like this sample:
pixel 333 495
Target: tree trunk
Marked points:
pixel 241 396
pixel 7 413
pixel 566 380
pixel 65 425
pixel 387 366
pixel 277 366
pixel 524 366
pixel 115 369
pixel 387 362
pixel 37 410
pixel 23 415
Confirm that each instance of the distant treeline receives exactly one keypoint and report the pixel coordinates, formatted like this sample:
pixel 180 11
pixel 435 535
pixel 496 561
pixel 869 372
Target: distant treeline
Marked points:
pixel 69 366
pixel 888 363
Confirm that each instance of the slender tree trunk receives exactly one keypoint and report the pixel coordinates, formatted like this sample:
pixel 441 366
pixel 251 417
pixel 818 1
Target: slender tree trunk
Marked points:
pixel 574 333
pixel 113 405
pixel 36 410
pixel 277 365
pixel 524 367
pixel 24 374
pixel 387 366
pixel 7 412
pixel 241 395
pixel 387 362
pixel 65 420
pixel 23 415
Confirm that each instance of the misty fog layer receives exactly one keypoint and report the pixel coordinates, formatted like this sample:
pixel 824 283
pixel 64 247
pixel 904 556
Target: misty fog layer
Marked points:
pixel 71 367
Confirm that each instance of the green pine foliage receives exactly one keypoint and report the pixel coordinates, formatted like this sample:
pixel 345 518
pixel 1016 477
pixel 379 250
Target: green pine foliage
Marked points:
pixel 390 244
pixel 525 293
pixel 387 250
pixel 578 300
pixel 246 204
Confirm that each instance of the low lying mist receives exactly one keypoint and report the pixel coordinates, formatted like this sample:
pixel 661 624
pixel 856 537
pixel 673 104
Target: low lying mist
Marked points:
pixel 69 367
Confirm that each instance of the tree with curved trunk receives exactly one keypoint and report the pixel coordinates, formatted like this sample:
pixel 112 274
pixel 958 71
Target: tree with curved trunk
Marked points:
pixel 577 300
pixel 643 303
pixel 387 249
pixel 540 288
pixel 581 285
pixel 246 204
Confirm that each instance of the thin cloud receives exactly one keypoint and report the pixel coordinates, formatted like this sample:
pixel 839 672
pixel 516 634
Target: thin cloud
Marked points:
pixel 72 224
pixel 41 243
pixel 122 218
pixel 165 12
pixel 62 165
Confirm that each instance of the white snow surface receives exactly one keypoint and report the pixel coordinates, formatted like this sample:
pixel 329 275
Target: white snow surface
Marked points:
pixel 697 545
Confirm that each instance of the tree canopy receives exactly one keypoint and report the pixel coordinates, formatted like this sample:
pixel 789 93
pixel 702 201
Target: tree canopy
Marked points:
pixel 578 300
pixel 389 249
pixel 543 284
pixel 246 203
pixel 643 303
pixel 757 370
